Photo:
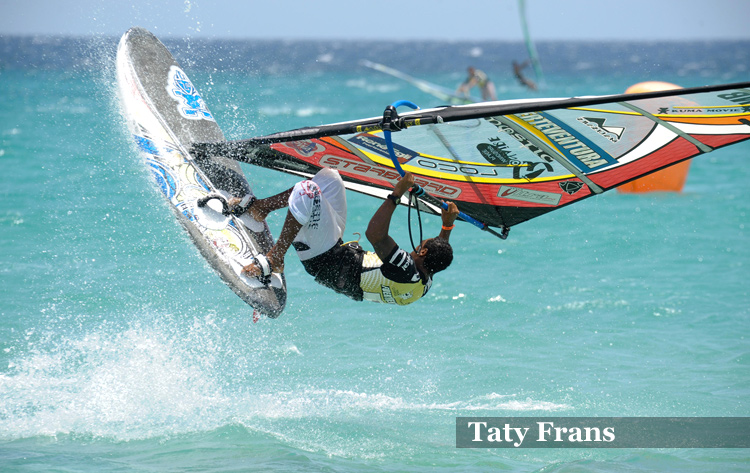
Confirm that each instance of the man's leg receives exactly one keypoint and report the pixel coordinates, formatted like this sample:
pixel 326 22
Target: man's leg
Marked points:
pixel 315 221
pixel 320 206
pixel 262 207
pixel 333 190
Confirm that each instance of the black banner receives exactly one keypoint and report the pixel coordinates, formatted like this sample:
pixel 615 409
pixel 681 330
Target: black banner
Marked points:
pixel 603 432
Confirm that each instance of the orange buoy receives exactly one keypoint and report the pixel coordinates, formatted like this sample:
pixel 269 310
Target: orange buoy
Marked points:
pixel 670 179
pixel 650 86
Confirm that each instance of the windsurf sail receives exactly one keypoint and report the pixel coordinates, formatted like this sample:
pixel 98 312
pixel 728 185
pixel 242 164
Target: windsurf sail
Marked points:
pixel 530 47
pixel 506 162
pixel 445 94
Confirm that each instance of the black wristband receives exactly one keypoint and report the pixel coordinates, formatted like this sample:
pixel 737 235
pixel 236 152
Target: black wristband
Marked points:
pixel 394 199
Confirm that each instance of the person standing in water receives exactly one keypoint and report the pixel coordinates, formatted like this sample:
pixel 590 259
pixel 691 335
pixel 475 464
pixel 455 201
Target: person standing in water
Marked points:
pixel 479 79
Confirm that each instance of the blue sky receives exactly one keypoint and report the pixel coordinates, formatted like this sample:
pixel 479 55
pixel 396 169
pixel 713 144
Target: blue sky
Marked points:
pixel 385 19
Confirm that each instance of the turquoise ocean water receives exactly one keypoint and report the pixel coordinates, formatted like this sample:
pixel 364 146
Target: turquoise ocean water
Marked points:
pixel 120 350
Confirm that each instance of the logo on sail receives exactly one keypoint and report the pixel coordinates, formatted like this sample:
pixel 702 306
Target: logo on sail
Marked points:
pixel 497 152
pixel 305 148
pixel 571 187
pixel 577 149
pixel 612 133
pixel 529 195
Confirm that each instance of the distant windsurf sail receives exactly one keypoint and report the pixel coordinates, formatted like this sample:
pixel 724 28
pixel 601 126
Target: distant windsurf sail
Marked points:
pixel 504 163
pixel 445 94
pixel 530 48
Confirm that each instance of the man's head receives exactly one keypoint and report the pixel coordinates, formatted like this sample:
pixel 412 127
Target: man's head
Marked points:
pixel 438 255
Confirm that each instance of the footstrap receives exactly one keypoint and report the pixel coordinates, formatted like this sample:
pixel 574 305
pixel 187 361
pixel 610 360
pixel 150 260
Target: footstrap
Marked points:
pixel 226 210
pixel 265 267
pixel 244 204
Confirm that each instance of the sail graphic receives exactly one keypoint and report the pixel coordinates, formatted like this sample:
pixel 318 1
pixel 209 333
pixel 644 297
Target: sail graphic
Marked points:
pixel 504 163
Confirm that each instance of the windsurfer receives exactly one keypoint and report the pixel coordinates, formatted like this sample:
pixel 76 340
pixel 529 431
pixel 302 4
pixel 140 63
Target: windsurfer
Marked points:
pixel 315 225
pixel 518 71
pixel 479 79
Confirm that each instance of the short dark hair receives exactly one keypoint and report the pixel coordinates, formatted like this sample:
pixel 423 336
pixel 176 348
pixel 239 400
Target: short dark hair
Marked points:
pixel 439 255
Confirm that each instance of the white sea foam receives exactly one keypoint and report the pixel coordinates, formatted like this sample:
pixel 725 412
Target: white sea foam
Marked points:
pixel 140 381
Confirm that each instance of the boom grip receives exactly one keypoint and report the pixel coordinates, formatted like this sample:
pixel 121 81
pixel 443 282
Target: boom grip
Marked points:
pixel 391 122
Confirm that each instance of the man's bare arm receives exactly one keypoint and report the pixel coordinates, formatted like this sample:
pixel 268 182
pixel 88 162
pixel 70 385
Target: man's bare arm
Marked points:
pixel 449 216
pixel 377 230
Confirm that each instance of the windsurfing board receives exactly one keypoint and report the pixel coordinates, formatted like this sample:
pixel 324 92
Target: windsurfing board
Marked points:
pixel 165 114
